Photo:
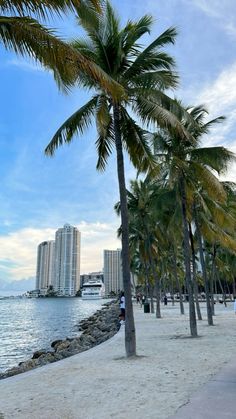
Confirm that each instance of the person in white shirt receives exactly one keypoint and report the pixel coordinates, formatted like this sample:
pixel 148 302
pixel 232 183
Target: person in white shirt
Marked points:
pixel 122 307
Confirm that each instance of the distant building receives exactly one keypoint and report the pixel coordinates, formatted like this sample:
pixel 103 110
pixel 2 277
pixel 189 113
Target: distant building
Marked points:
pixel 67 260
pixel 45 274
pixel 91 276
pixel 113 276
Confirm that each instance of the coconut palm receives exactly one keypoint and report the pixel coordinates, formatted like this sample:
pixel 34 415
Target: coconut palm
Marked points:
pixel 189 169
pixel 22 33
pixel 218 225
pixel 144 73
pixel 144 234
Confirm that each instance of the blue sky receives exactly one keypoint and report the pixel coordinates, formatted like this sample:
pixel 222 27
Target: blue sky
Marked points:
pixel 40 194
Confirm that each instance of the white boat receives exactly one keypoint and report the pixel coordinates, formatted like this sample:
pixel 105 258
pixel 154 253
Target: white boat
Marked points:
pixel 93 290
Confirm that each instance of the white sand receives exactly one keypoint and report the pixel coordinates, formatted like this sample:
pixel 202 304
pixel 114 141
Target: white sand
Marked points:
pixel 102 384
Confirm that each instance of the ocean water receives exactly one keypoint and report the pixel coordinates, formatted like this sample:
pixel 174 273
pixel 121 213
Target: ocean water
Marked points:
pixel 27 325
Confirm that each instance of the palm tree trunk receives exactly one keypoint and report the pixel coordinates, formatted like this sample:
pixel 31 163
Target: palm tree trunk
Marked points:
pixel 199 314
pixel 203 265
pixel 158 297
pixel 178 283
pixel 151 299
pixel 212 280
pixel 157 287
pixel 146 279
pixel 222 290
pixel 187 261
pixel 172 291
pixel 130 338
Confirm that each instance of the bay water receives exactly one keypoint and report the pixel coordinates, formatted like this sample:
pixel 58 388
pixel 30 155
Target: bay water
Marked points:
pixel 28 325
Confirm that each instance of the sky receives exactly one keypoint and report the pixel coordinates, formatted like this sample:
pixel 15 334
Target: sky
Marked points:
pixel 39 194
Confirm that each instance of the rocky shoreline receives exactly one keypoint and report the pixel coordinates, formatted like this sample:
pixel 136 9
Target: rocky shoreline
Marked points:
pixel 99 327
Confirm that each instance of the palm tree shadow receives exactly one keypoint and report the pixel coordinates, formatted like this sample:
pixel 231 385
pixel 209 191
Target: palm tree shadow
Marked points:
pixel 185 337
pixel 130 358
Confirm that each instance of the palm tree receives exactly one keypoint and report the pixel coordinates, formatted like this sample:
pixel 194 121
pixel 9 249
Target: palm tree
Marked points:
pixel 189 169
pixel 144 73
pixel 144 234
pixel 22 33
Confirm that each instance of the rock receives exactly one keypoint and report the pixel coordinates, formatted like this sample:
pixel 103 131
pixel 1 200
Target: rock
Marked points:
pixel 37 354
pixel 46 359
pixel 56 342
pixel 61 346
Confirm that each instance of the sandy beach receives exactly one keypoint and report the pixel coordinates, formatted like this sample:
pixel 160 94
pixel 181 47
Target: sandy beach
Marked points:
pixel 101 383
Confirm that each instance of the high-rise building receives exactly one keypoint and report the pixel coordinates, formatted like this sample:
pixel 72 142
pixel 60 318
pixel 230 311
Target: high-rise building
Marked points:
pixel 113 275
pixel 45 275
pixel 67 260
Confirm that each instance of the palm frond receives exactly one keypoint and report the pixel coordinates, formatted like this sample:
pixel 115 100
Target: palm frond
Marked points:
pixel 76 124
pixel 158 108
pixel 217 158
pixel 213 234
pixel 161 79
pixel 42 8
pixel 90 17
pixel 104 147
pixel 134 31
pixel 103 117
pixel 137 143
pixel 206 127
pixel 208 181
pixel 221 216
pixel 150 55
pixel 26 36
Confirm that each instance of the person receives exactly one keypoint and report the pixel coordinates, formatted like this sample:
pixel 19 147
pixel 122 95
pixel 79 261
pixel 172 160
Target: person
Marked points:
pixel 143 299
pixel 122 308
pixel 165 300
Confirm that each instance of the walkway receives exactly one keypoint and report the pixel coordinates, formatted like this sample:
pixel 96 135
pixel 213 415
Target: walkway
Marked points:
pixel 102 384
pixel 216 399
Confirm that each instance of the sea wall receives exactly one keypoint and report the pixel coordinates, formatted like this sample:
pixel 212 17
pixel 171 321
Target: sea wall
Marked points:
pixel 99 327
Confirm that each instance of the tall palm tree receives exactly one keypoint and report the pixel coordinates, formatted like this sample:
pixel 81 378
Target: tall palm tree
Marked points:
pixel 189 168
pixel 22 33
pixel 144 73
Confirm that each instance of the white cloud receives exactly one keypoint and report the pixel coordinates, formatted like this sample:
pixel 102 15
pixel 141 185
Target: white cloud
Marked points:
pixel 220 95
pixel 220 99
pixel 18 249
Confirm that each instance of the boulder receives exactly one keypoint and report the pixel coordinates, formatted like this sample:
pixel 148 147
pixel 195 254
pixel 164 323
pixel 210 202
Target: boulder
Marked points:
pixel 46 359
pixel 61 346
pixel 56 342
pixel 37 354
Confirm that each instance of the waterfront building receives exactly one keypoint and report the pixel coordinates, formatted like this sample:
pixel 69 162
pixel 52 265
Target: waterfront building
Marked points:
pixel 91 276
pixel 113 275
pixel 67 260
pixel 45 273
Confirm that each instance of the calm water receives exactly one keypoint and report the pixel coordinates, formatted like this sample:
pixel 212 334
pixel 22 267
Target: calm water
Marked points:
pixel 27 325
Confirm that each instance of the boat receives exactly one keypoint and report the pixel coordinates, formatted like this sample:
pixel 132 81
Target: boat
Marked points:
pixel 93 290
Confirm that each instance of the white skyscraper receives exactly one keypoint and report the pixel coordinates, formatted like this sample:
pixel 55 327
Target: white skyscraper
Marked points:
pixel 113 276
pixel 67 260
pixel 45 275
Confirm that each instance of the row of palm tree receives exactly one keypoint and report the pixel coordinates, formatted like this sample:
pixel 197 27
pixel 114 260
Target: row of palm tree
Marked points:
pixel 184 196
pixel 143 73
pixel 133 113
